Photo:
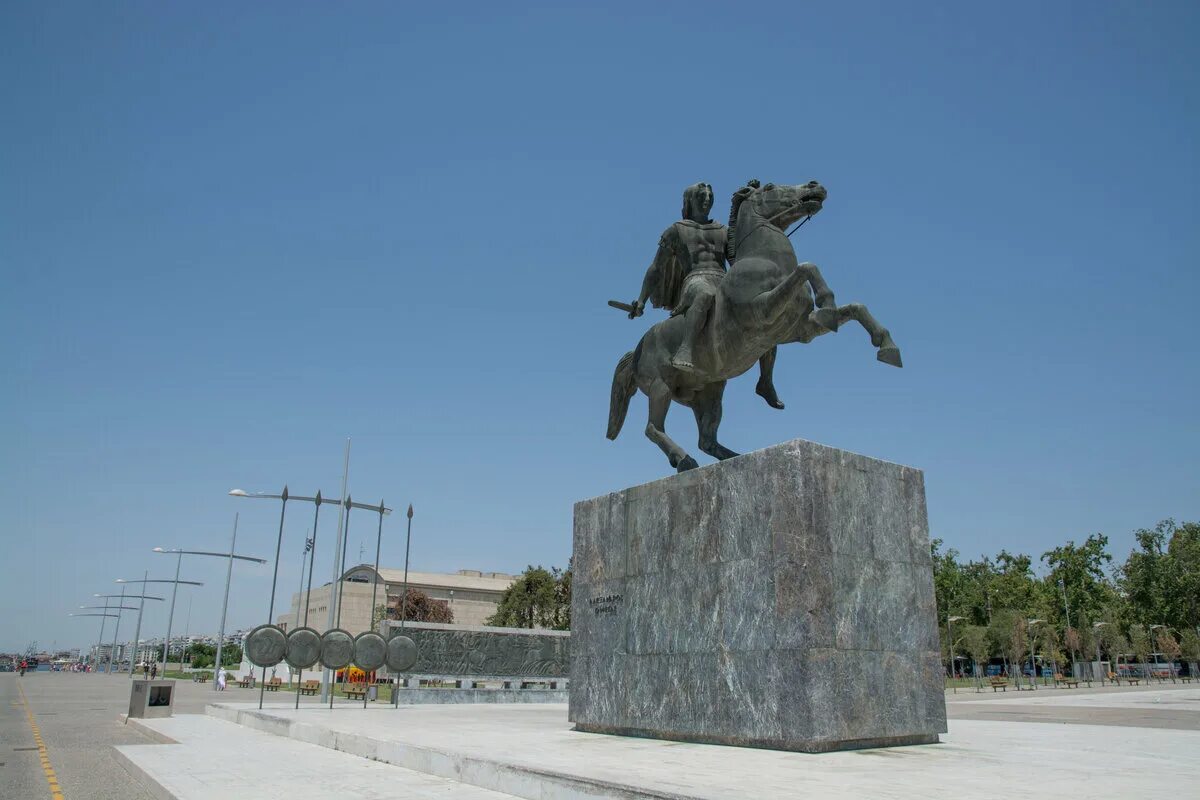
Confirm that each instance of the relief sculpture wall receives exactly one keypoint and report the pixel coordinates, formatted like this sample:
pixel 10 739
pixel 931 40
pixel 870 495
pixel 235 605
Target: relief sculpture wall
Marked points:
pixel 501 652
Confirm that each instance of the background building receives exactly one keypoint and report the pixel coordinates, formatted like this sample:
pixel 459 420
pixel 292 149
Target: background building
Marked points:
pixel 472 596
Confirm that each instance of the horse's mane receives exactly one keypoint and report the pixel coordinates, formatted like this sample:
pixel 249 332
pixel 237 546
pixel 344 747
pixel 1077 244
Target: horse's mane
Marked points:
pixel 738 197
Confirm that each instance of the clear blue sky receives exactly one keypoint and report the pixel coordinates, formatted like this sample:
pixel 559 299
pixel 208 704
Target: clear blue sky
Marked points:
pixel 233 234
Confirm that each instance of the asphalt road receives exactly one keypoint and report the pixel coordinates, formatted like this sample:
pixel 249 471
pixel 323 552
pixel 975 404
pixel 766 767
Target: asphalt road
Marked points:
pixel 76 715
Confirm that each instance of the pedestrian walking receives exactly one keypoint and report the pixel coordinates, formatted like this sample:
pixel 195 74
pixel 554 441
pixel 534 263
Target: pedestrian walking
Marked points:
pixel 154 671
pixel 145 670
pixel 221 678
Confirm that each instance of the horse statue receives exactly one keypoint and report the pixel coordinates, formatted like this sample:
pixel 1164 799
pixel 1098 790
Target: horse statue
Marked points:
pixel 763 301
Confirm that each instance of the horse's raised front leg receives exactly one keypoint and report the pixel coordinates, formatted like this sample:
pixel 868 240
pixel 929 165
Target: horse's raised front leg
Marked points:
pixel 766 379
pixel 707 408
pixel 826 312
pixel 656 428
pixel 888 352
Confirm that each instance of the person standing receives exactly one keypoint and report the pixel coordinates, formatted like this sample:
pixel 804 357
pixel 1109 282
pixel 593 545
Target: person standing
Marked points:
pixel 222 676
pixel 154 671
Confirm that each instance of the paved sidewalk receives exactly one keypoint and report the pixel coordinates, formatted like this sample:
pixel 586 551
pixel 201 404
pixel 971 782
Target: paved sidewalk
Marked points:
pixel 215 759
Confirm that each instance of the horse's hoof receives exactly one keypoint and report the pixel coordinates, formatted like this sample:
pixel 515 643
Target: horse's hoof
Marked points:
pixel 827 318
pixel 768 393
pixel 687 463
pixel 890 355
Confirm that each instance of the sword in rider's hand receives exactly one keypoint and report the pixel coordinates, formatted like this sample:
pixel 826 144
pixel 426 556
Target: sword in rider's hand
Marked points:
pixel 628 308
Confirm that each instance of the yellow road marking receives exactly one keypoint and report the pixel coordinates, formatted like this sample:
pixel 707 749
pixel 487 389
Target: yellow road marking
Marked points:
pixel 51 778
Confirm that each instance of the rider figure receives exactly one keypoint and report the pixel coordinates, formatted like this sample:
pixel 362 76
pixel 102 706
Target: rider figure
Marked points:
pixel 685 274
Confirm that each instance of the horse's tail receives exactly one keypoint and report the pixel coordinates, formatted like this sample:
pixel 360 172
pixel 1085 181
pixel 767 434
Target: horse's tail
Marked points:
pixel 623 386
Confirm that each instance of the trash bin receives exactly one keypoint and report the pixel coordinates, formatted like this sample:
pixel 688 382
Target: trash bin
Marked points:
pixel 151 698
pixel 373 692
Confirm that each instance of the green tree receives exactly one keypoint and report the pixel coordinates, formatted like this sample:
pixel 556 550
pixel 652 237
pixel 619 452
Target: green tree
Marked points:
pixel 1189 645
pixel 539 598
pixel 977 588
pixel 1139 644
pixel 948 581
pixel 1165 641
pixel 974 641
pixel 1144 575
pixel 1080 572
pixel 1006 636
pixel 203 656
pixel 1013 586
pixel 1183 593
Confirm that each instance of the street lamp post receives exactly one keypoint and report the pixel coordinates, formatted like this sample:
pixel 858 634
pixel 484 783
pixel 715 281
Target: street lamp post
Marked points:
pixel 1096 626
pixel 138 632
pixel 231 555
pixel 176 582
pixel 116 631
pixel 950 639
pixel 100 641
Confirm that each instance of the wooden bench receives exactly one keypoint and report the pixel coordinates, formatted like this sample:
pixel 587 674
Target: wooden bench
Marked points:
pixel 1185 678
pixel 273 684
pixel 355 690
pixel 1133 681
pixel 998 682
pixel 1070 683
pixel 310 687
pixel 246 681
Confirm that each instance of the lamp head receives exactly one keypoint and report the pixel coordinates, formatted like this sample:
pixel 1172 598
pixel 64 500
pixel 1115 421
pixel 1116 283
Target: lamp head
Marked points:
pixel 237 492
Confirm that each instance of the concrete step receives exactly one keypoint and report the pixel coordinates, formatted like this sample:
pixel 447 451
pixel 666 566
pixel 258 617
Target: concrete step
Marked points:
pixel 200 757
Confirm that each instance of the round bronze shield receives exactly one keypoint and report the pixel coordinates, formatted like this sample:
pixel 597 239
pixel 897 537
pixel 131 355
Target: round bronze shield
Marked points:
pixel 370 651
pixel 265 645
pixel 401 653
pixel 303 648
pixel 337 649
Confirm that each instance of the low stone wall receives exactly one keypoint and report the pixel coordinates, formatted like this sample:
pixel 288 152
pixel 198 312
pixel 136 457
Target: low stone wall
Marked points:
pixel 482 652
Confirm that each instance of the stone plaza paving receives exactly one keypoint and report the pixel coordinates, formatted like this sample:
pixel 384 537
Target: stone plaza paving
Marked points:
pixel 531 752
pixel 1116 742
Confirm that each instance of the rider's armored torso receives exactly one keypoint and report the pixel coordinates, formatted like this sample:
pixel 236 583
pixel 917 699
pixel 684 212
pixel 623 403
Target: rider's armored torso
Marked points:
pixel 700 249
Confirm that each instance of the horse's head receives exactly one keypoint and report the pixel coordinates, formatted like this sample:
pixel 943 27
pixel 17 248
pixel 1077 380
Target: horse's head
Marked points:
pixel 779 205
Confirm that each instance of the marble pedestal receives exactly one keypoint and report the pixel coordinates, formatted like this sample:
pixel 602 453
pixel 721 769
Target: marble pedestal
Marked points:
pixel 780 599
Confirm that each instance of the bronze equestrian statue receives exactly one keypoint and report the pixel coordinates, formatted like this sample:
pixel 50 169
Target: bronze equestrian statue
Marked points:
pixel 685 273
pixel 724 321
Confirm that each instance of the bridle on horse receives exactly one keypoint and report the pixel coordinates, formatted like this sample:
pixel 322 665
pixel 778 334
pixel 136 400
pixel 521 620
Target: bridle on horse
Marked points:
pixel 769 223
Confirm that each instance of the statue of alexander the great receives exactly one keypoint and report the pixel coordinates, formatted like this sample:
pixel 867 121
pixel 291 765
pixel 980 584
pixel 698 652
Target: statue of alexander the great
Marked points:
pixel 723 321
pixel 684 275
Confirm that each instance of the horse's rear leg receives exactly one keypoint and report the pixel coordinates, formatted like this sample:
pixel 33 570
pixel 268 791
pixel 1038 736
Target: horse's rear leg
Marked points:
pixel 707 408
pixel 656 429
pixel 888 352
